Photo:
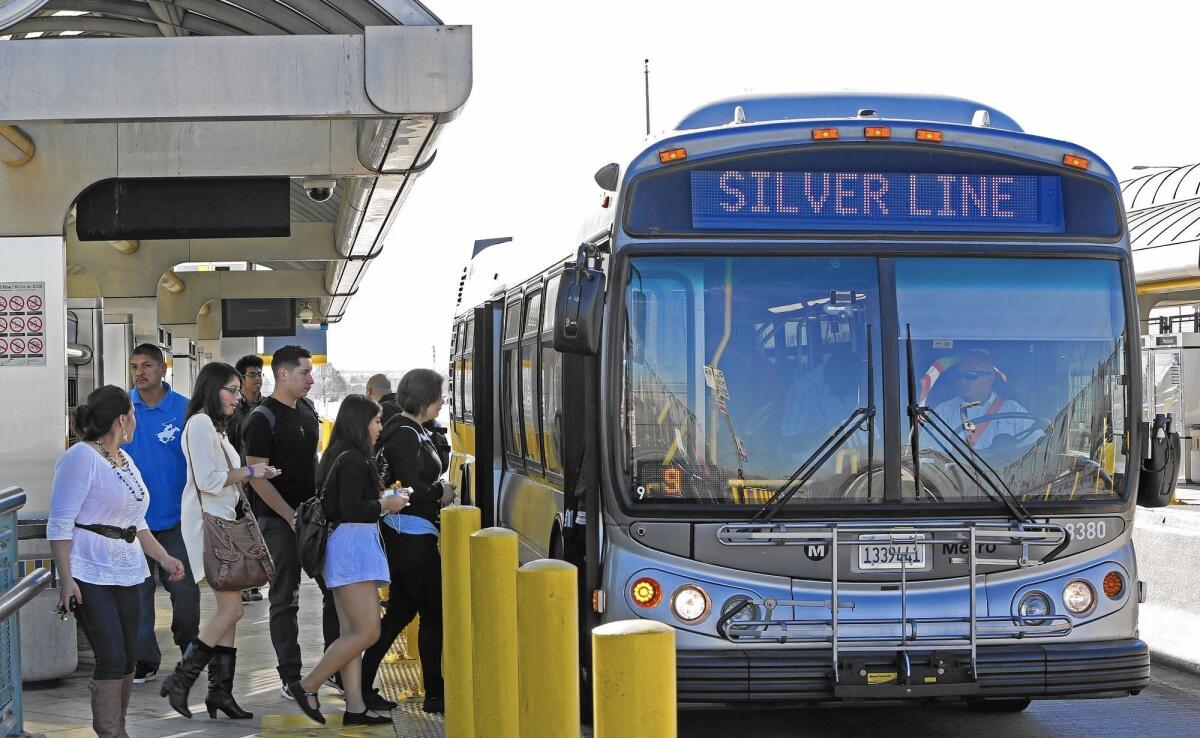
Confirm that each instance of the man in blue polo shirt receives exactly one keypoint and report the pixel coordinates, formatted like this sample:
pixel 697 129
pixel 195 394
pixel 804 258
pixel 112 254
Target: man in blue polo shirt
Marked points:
pixel 158 452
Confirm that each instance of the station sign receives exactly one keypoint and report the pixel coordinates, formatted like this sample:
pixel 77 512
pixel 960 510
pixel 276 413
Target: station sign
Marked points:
pixel 22 324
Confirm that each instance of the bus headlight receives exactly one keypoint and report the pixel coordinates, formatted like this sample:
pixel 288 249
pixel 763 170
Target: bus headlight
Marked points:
pixel 1034 605
pixel 1079 596
pixel 749 613
pixel 690 603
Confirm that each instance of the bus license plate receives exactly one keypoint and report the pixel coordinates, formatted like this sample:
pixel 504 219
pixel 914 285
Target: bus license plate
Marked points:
pixel 885 555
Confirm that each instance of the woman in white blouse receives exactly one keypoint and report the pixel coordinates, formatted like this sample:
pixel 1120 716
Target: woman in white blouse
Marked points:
pixel 212 472
pixel 97 532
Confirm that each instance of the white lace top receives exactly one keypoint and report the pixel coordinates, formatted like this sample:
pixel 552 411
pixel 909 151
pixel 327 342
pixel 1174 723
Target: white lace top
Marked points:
pixel 88 490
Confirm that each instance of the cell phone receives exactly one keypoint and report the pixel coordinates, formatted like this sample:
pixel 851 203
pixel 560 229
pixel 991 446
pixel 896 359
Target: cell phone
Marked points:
pixel 72 603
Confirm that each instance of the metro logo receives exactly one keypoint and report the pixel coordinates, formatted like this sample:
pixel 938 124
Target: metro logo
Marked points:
pixel 777 200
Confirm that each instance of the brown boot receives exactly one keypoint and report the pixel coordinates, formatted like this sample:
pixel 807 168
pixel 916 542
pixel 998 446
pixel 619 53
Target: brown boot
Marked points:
pixel 107 713
pixel 126 691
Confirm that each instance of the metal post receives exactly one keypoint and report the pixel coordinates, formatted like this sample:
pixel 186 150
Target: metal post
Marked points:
pixel 833 599
pixel 494 631
pixel 548 649
pixel 458 523
pixel 634 677
pixel 647 73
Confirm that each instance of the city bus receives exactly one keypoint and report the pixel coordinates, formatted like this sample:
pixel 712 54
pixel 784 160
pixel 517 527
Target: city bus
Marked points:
pixel 846 390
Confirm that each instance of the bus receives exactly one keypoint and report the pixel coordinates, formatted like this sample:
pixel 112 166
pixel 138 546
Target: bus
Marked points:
pixel 846 390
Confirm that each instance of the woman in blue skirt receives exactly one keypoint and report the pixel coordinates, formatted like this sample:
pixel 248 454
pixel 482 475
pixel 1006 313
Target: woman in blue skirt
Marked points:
pixel 355 564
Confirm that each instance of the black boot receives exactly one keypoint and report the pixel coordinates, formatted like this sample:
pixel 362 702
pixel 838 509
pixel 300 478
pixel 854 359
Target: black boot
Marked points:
pixel 176 686
pixel 220 684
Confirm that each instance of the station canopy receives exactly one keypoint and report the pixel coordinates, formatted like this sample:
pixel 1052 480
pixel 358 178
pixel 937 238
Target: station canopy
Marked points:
pixel 1163 213
pixel 362 106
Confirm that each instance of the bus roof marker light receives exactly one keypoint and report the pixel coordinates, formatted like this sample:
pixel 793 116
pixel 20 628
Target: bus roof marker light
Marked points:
pixel 877 132
pixel 672 155
pixel 981 119
pixel 739 115
pixel 925 134
pixel 825 134
pixel 1075 161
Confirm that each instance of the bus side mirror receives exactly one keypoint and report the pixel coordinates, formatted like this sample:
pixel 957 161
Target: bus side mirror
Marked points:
pixel 578 315
pixel 1160 470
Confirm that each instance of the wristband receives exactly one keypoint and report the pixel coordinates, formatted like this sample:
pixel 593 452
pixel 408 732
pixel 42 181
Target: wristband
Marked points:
pixel 250 471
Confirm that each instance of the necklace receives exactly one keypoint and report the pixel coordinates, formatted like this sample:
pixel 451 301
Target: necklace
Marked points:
pixel 135 489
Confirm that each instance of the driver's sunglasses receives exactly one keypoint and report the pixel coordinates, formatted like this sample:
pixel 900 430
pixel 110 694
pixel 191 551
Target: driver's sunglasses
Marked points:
pixel 971 376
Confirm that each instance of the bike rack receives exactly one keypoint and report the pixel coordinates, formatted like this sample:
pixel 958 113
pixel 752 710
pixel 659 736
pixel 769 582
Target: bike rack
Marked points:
pixel 827 632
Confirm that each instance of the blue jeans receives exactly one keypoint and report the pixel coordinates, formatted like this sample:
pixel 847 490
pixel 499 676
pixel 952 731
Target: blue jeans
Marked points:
pixel 185 601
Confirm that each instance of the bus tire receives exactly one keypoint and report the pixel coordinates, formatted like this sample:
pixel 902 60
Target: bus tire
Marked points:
pixel 999 706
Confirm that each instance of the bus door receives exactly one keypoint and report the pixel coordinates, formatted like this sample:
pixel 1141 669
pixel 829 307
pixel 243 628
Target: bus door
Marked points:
pixel 483 371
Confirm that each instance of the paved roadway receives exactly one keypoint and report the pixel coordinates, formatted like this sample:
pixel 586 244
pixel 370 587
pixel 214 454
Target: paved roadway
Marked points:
pixel 1170 707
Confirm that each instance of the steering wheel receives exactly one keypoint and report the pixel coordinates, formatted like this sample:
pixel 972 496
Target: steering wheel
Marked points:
pixel 1039 423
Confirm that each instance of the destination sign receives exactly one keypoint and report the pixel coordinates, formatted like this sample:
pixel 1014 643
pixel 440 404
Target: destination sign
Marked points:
pixel 820 201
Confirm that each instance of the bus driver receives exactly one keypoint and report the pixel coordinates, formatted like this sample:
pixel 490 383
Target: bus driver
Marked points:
pixel 975 399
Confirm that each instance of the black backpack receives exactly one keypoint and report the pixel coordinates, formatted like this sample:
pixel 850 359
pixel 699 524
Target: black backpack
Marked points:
pixel 313 528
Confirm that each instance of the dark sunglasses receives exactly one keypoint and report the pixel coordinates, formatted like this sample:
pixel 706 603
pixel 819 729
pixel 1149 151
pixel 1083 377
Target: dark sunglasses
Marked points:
pixel 971 376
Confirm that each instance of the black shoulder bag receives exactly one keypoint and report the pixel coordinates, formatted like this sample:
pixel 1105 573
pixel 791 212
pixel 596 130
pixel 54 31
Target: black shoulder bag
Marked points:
pixel 312 528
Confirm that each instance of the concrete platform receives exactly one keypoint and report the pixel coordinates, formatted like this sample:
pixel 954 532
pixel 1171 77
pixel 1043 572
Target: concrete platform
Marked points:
pixel 63 710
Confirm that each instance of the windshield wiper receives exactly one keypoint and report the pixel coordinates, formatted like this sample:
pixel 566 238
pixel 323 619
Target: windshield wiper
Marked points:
pixel 861 418
pixel 971 462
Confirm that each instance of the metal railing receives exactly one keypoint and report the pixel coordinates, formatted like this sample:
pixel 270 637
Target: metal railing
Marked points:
pixel 13 596
pixel 904 633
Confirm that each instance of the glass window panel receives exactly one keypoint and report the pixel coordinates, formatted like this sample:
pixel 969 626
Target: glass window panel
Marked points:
pixel 529 402
pixel 552 407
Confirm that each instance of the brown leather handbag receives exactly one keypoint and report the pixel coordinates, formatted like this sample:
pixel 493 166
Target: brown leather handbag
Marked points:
pixel 235 555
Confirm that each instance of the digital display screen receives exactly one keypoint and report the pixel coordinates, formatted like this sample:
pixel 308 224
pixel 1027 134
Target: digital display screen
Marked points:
pixel 734 200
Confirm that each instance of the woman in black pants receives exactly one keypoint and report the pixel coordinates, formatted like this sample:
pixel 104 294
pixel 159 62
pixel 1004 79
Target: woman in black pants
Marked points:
pixel 411 537
pixel 97 532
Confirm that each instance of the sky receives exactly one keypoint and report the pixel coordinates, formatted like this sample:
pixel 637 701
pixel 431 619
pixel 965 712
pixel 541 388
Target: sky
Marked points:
pixel 558 92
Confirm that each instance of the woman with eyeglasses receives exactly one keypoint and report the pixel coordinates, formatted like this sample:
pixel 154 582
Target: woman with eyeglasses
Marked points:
pixel 213 472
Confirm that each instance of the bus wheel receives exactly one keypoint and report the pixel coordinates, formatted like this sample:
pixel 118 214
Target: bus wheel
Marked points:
pixel 994 706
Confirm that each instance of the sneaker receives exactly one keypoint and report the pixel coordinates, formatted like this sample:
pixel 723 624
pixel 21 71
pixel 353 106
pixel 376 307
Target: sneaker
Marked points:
pixel 335 684
pixel 283 691
pixel 434 704
pixel 143 673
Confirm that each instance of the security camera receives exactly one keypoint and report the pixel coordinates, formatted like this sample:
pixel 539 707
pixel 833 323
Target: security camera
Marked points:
pixel 319 190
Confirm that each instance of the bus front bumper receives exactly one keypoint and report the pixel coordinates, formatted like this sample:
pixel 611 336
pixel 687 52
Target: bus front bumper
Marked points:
pixel 1051 671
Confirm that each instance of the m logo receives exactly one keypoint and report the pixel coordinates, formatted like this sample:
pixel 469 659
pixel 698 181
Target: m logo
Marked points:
pixel 815 551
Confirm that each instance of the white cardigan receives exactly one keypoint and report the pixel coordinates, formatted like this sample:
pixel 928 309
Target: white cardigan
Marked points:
pixel 209 455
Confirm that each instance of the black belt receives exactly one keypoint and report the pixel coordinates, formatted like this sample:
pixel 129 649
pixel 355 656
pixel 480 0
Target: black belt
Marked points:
pixel 111 531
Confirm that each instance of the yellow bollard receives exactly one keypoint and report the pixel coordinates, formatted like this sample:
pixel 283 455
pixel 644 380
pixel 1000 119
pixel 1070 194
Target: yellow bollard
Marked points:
pixel 458 523
pixel 548 645
pixel 634 679
pixel 494 631
pixel 411 652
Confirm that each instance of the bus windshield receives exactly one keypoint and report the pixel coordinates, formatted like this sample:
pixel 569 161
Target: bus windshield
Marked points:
pixel 737 369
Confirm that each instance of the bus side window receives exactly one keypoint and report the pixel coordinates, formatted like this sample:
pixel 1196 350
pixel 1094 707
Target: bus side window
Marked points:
pixel 551 371
pixel 456 345
pixel 530 406
pixel 468 401
pixel 509 371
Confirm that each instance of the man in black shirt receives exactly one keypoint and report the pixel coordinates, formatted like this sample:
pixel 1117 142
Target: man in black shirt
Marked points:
pixel 283 432
pixel 250 367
